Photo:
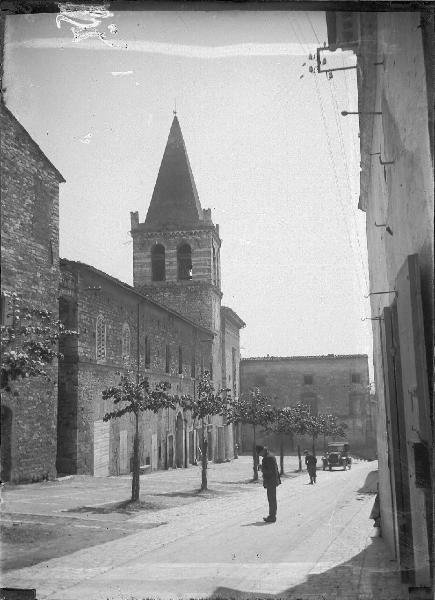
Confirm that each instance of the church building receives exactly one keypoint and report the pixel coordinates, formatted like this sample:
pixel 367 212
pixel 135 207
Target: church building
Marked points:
pixel 170 326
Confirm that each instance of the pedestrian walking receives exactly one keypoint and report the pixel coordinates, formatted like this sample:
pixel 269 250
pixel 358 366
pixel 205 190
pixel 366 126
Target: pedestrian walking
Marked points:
pixel 311 462
pixel 271 480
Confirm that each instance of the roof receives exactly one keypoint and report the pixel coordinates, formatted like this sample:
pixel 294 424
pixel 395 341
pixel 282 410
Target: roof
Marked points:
pixel 41 154
pixel 175 201
pixel 319 357
pixel 230 315
pixel 131 289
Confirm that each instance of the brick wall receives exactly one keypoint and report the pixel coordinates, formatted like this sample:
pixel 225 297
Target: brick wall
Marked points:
pixel 30 266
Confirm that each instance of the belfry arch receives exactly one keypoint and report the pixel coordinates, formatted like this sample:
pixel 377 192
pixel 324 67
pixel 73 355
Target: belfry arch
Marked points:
pixel 184 261
pixel 158 267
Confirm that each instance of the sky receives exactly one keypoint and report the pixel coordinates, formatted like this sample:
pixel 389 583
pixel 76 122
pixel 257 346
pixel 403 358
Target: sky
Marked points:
pixel 270 152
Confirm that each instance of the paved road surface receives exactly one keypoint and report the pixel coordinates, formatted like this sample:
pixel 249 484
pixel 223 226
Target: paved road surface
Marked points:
pixel 320 548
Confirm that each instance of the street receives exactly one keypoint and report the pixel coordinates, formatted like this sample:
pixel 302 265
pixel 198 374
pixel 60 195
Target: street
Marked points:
pixel 323 545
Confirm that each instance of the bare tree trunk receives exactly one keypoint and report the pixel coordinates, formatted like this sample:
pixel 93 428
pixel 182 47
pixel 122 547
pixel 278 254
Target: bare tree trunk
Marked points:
pixel 135 482
pixel 314 445
pixel 255 457
pixel 300 458
pixel 204 449
pixel 281 456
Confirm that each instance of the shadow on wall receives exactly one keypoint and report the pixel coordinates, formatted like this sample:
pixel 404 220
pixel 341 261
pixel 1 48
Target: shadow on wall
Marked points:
pixel 366 575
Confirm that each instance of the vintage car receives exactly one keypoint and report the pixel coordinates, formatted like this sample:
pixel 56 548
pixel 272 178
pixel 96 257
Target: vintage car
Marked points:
pixel 337 455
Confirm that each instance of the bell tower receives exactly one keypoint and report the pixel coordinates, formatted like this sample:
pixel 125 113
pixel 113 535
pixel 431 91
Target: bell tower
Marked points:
pixel 176 250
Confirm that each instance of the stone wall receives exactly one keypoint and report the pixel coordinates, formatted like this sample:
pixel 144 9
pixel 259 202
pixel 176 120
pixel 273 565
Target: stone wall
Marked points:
pixel 30 266
pixel 88 293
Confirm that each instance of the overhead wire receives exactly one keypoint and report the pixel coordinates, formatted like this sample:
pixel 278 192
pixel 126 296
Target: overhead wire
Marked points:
pixel 334 171
pixel 342 146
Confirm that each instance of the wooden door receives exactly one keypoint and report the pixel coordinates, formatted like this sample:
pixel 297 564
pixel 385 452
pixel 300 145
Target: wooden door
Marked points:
pixel 396 436
pixel 410 331
pixel 101 448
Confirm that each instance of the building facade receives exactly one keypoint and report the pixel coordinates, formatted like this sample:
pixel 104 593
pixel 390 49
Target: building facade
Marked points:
pixel 30 267
pixel 330 384
pixel 394 53
pixel 120 330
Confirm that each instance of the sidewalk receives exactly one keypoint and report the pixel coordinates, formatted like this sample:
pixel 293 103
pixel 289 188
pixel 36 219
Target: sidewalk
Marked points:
pixel 158 490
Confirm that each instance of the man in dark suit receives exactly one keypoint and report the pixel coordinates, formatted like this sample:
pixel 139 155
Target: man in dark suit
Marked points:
pixel 271 480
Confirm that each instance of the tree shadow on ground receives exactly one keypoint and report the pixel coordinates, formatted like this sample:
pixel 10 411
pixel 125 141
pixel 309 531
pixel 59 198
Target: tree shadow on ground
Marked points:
pixel 201 494
pixel 368 575
pixel 371 483
pixel 240 482
pixel 126 507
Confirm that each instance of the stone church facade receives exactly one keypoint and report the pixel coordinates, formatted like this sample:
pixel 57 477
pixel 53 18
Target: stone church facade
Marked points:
pixel 121 330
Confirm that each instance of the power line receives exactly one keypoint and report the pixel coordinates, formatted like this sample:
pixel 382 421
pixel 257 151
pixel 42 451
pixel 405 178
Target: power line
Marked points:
pixel 312 27
pixel 334 170
pixel 348 179
pixel 343 150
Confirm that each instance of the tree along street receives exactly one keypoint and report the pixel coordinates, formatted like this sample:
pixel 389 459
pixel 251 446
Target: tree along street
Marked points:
pixel 320 547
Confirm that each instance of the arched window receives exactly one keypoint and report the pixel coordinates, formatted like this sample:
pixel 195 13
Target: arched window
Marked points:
pixel 184 261
pixel 158 262
pixel 126 341
pixel 100 338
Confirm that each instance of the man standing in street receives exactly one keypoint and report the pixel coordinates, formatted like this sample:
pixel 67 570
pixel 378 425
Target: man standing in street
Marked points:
pixel 271 480
pixel 311 462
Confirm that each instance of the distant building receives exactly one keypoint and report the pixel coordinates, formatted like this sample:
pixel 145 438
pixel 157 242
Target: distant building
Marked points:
pixel 394 53
pixel 334 384
pixel 30 267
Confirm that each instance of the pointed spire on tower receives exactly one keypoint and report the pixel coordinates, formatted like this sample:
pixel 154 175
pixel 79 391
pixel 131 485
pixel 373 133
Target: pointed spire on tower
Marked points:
pixel 175 201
